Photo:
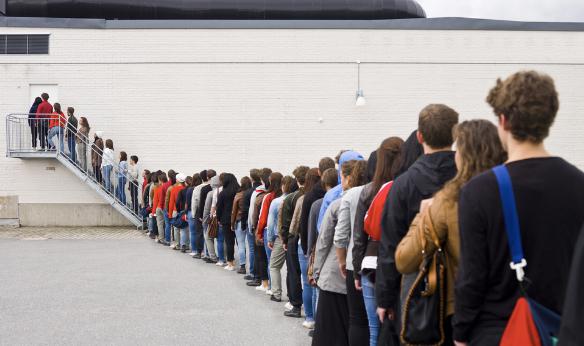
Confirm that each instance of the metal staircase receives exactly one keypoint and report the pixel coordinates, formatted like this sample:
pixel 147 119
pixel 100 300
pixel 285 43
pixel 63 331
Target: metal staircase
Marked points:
pixel 19 145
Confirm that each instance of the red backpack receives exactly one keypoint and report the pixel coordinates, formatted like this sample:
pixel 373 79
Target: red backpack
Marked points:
pixel 372 222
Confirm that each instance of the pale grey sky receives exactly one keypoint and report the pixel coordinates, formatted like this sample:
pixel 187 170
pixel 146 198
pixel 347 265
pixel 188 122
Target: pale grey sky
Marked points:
pixel 523 10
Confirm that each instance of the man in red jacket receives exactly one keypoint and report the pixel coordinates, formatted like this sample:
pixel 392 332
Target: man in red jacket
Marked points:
pixel 44 111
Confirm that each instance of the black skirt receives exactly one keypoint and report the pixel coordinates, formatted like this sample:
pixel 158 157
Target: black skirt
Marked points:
pixel 332 320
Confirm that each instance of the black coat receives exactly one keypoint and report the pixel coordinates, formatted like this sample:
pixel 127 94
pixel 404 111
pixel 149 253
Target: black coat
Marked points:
pixel 424 178
pixel 572 332
pixel 310 197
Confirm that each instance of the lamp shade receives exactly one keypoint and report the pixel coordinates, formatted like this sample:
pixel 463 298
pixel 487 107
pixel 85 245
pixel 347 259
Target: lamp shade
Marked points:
pixel 360 101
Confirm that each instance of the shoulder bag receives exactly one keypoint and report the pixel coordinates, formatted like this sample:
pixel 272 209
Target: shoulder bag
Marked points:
pixel 213 227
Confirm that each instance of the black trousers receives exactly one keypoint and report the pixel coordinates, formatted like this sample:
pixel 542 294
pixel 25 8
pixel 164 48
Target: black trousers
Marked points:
pixel 199 235
pixel 358 322
pixel 33 133
pixel 332 320
pixel 134 195
pixel 97 171
pixel 43 132
pixel 293 273
pixel 229 242
pixel 261 262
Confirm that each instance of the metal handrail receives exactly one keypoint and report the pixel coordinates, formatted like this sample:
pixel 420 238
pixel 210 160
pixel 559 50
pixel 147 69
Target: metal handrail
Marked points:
pixel 23 118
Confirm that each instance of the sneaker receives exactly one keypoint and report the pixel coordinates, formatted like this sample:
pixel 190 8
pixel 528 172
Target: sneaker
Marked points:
pixel 295 312
pixel 209 260
pixel 308 324
pixel 269 292
pixel 248 277
pixel 288 306
pixel 261 288
pixel 220 263
pixel 192 254
pixel 183 249
pixel 241 270
pixel 253 283
pixel 311 333
pixel 275 299
pixel 226 267
pixel 230 268
pixel 197 256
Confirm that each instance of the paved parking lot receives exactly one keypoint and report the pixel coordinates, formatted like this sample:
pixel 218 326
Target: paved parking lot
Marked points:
pixel 115 286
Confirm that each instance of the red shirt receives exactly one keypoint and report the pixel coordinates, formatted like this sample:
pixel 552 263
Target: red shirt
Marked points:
pixel 44 108
pixel 263 220
pixel 172 200
pixel 57 119
pixel 165 187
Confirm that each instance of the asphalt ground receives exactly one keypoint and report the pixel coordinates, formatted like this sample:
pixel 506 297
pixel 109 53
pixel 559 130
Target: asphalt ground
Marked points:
pixel 117 287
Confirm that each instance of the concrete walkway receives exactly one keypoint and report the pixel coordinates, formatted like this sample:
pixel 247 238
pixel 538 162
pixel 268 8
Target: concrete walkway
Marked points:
pixel 129 291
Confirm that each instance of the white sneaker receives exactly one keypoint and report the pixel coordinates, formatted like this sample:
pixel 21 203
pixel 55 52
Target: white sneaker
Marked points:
pixel 230 268
pixel 219 264
pixel 269 292
pixel 308 324
pixel 226 267
pixel 192 253
pixel 260 288
pixel 288 306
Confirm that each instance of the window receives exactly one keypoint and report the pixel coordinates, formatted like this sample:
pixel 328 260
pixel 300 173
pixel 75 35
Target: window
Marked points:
pixel 24 44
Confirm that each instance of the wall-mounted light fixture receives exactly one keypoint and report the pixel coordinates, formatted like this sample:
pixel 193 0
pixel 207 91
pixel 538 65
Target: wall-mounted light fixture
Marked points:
pixel 360 97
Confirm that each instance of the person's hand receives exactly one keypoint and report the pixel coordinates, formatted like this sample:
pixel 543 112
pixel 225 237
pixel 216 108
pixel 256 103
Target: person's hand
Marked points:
pixel 343 270
pixel 312 282
pixel 458 343
pixel 358 285
pixel 383 313
pixel 270 245
pixel 426 204
pixel 285 246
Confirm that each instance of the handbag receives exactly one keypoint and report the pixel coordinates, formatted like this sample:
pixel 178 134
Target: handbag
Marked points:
pixel 423 297
pixel 530 324
pixel 310 268
pixel 213 227
pixel 179 221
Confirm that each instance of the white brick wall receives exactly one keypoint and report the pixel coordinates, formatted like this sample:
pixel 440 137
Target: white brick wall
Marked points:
pixel 235 99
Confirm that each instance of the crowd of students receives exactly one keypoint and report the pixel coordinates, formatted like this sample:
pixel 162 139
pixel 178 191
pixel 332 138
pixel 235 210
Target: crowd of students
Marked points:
pixel 49 126
pixel 353 232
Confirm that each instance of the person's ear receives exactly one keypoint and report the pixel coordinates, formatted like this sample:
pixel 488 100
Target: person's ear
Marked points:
pixel 503 121
pixel 419 137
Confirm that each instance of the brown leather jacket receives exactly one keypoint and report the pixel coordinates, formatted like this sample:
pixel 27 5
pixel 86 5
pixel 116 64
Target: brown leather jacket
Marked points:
pixel 408 255
pixel 96 152
pixel 237 211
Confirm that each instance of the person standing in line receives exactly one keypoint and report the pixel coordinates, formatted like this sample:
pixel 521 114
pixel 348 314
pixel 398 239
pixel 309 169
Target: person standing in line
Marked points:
pixel 97 155
pixel 202 231
pixel 56 128
pixel 164 202
pixel 278 255
pixel 133 174
pixel 549 198
pixel 208 213
pixel 82 140
pixel 238 220
pixel 195 182
pixel 257 188
pixel 122 177
pixel 197 207
pixel 290 244
pixel 478 149
pixel 147 202
pixel 158 205
pixel 176 205
pixel 171 194
pixel 32 122
pixel 107 164
pixel 71 133
pixel 424 178
pixel 43 113
pixel 225 202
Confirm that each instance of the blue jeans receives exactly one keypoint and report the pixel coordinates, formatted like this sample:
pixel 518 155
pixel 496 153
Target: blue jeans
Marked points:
pixel 72 151
pixel 192 231
pixel 166 227
pixel 220 244
pixel 57 131
pixel 107 175
pixel 120 190
pixel 371 307
pixel 268 253
pixel 240 236
pixel 314 301
pixel 306 288
pixel 250 243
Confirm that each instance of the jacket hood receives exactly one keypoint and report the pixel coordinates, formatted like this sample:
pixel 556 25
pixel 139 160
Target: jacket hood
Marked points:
pixel 347 156
pixel 431 171
pixel 215 182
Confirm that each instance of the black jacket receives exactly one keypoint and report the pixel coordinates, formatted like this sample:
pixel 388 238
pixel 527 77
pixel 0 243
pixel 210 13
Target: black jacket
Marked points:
pixel 316 193
pixel 245 205
pixel 425 177
pixel 360 238
pixel 572 332
pixel 224 208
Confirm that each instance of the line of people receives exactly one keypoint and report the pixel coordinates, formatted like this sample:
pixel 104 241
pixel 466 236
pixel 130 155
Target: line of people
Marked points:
pixel 354 232
pixel 49 126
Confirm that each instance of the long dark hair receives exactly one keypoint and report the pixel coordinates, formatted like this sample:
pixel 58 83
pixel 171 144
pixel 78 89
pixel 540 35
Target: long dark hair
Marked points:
pixel 411 151
pixel 311 180
pixel 388 161
pixel 37 101
pixel 276 183
pixel 230 185
pixel 83 122
pixel 57 108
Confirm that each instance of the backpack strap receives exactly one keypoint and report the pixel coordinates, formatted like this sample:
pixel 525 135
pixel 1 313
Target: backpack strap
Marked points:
pixel 511 220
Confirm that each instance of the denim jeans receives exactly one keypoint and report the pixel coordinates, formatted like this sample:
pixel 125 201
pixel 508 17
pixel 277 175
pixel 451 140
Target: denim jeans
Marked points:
pixel 314 301
pixel 371 307
pixel 220 244
pixel 268 253
pixel 192 231
pixel 107 177
pixel 184 236
pixel 240 236
pixel 53 132
pixel 306 288
pixel 166 226
pixel 251 249
pixel 121 190
pixel 72 151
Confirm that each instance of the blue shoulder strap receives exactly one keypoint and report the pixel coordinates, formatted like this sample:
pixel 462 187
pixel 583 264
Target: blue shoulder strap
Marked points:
pixel 511 220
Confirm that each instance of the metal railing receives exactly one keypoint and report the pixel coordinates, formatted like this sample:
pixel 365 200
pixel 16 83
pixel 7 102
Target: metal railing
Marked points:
pixel 20 133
